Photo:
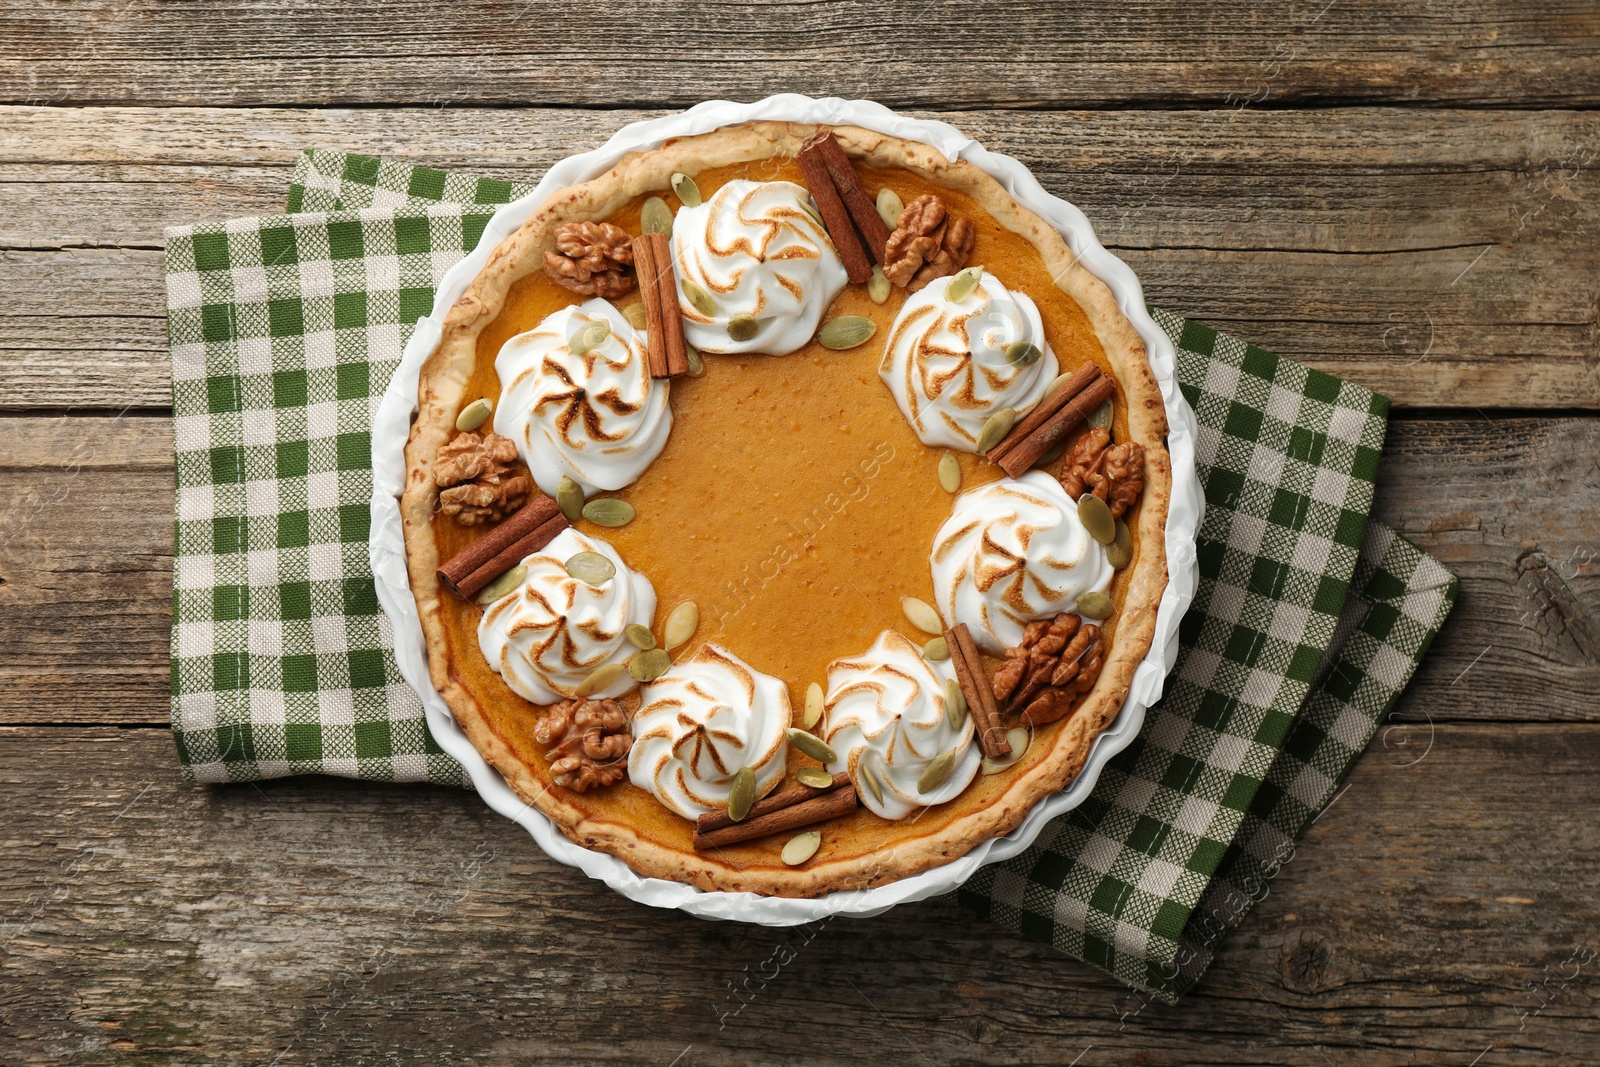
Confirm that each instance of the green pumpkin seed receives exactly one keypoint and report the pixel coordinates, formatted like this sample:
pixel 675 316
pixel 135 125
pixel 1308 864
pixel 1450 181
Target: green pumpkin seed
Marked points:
pixel 995 429
pixel 569 495
pixel 698 298
pixel 1022 353
pixel 801 847
pixel 635 314
pixel 936 650
pixel 846 331
pixel 949 472
pixel 503 585
pixel 935 773
pixel 608 511
pixel 639 636
pixel 741 793
pixel 1096 518
pixel 697 366
pixel 955 704
pixel 811 745
pixel 1057 382
pixel 649 665
pixel 870 780
pixel 878 286
pixel 1119 553
pixel 590 336
pixel 813 709
pixel 474 414
pixel 684 188
pixel 1096 606
pixel 889 207
pixel 591 567
pixel 1101 416
pixel 655 216
pixel 681 624
pixel 815 777
pixel 809 206
pixel 1019 739
pixel 602 678
pixel 743 327
pixel 922 615
pixel 962 284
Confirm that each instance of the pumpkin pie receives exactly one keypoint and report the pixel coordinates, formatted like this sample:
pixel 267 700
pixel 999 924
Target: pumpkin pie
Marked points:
pixel 785 509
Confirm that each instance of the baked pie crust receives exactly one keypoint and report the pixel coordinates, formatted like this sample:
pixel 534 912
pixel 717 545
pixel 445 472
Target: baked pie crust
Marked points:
pixel 861 850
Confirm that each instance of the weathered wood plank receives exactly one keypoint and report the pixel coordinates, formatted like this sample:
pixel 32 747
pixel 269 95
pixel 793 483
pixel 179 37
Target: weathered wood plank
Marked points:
pixel 1321 235
pixel 86 568
pixel 1512 506
pixel 410 924
pixel 908 53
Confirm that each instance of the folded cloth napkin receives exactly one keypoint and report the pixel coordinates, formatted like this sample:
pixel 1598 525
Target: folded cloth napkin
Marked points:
pixel 1309 620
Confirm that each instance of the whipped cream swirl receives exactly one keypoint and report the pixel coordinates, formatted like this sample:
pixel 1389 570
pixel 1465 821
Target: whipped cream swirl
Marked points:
pixel 554 630
pixel 1010 553
pixel 886 717
pixel 703 721
pixel 597 417
pixel 945 360
pixel 757 252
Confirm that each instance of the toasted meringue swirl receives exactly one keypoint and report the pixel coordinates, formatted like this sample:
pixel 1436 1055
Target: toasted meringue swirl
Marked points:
pixel 1011 552
pixel 555 630
pixel 703 721
pixel 885 715
pixel 598 418
pixel 945 360
pixel 757 252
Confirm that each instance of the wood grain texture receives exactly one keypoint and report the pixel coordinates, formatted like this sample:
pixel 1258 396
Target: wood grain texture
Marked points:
pixel 86 562
pixel 1445 258
pixel 907 53
pixel 1430 913
pixel 86 506
pixel 1512 507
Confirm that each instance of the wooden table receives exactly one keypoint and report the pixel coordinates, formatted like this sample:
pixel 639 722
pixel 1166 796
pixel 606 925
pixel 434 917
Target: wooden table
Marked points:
pixel 1402 194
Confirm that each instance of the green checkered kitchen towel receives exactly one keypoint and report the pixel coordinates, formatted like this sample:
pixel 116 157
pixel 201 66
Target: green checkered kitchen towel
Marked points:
pixel 1282 679
pixel 1308 622
pixel 284 332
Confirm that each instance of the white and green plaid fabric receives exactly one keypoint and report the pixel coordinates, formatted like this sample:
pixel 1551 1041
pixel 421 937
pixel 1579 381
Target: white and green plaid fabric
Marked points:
pixel 330 180
pixel 1398 600
pixel 1282 678
pixel 285 329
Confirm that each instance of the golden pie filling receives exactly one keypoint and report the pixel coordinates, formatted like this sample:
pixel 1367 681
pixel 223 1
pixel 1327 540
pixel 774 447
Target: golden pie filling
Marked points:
pixel 793 504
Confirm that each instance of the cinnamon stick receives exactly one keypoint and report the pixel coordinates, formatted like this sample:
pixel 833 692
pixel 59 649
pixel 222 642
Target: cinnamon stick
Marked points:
pixel 1027 452
pixel 511 556
pixel 795 794
pixel 648 269
pixel 1052 403
pixel 835 216
pixel 826 804
pixel 677 355
pixel 469 570
pixel 863 209
pixel 975 687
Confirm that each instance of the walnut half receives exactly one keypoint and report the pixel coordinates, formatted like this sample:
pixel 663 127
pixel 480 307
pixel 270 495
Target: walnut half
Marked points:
pixel 474 474
pixel 1057 662
pixel 928 242
pixel 1114 473
pixel 589 742
pixel 591 258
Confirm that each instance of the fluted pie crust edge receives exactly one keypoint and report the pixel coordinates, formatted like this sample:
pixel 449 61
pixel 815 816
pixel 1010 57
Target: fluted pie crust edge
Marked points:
pixel 442 388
